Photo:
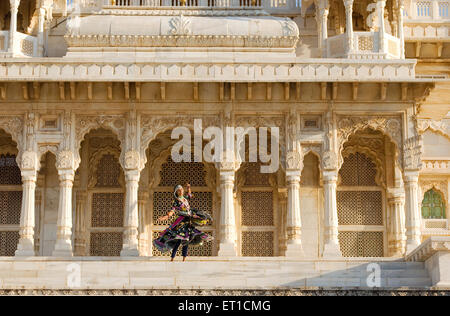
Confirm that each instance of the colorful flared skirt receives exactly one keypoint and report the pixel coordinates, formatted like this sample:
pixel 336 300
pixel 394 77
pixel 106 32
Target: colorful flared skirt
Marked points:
pixel 181 229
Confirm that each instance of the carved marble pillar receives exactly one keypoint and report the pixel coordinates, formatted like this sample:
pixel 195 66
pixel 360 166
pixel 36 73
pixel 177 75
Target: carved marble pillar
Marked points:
pixel 349 24
pixel 381 28
pixel 227 170
pixel 396 225
pixel 401 34
pixel 63 245
pixel 143 233
pixel 41 21
pixel 132 165
pixel 227 246
pixel 331 244
pixel 282 194
pixel 293 219
pixel 29 167
pixel 412 212
pixel 14 5
pixel 130 234
pixel 80 224
pixel 323 12
pixel 412 152
pixel 37 212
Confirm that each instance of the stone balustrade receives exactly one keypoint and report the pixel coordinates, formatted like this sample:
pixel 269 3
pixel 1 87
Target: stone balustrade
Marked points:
pixel 365 45
pixel 435 252
pixel 278 7
pixel 441 166
pixel 24 46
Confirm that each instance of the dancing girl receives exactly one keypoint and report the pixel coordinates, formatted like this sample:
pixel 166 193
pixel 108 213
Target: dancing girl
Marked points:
pixel 183 230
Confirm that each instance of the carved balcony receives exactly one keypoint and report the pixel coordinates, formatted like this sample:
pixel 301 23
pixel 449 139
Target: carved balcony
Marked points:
pixel 364 45
pixel 24 45
pixel 272 7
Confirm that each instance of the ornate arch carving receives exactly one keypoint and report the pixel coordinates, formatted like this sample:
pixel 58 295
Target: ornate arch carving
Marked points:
pixel 13 125
pixel 84 124
pixel 390 126
pixel 43 149
pixel 156 167
pixel 94 161
pixel 315 150
pixel 248 122
pixel 8 149
pixel 380 175
pixel 152 126
pixel 437 185
pixel 440 127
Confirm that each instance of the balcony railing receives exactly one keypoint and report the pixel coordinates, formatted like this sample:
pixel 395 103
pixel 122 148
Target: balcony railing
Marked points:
pixel 24 45
pixel 279 7
pixel 198 3
pixel 366 45
pixel 4 40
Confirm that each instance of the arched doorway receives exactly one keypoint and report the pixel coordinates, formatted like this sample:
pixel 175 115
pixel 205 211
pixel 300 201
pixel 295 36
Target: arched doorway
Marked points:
pixel 257 212
pixel 310 204
pixel 10 195
pixel 100 196
pixel 162 175
pixel 361 195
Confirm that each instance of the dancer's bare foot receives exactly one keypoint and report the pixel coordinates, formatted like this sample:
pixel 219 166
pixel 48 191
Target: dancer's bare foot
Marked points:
pixel 171 259
pixel 184 259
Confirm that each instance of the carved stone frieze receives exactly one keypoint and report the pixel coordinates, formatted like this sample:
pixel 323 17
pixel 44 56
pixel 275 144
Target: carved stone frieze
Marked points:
pixel 388 125
pixel 441 127
pixel 84 124
pixel 412 150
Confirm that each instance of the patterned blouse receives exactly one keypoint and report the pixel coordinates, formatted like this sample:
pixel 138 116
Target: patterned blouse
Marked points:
pixel 180 206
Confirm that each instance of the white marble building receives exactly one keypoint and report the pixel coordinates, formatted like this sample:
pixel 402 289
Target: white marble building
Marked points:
pixel 90 91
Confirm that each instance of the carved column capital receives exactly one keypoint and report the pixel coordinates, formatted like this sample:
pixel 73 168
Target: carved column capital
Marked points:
pixel 412 151
pixel 228 162
pixel 348 4
pixel 329 160
pixel 29 163
pixel 294 161
pixel 14 4
pixel 65 160
pixel 131 160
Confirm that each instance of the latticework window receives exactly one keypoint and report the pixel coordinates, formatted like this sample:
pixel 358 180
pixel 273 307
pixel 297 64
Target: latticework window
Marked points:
pixel 361 244
pixel 8 243
pixel 360 204
pixel 257 208
pixel 107 210
pixel 358 170
pixel 9 170
pixel 360 207
pixel 433 205
pixel 108 172
pixel 203 250
pixel 257 243
pixel 253 175
pixel 424 8
pixel 173 173
pixel 10 205
pixel 106 244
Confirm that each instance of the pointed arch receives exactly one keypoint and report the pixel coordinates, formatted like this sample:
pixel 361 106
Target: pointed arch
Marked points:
pixel 388 126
